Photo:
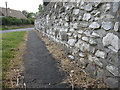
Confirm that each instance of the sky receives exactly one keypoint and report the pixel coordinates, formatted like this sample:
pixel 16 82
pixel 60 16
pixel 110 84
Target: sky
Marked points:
pixel 29 5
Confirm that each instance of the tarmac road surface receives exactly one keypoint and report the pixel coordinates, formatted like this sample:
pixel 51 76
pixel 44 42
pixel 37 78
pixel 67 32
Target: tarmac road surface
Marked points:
pixel 40 67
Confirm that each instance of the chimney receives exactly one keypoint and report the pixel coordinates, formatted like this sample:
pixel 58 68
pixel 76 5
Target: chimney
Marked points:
pixel 6 9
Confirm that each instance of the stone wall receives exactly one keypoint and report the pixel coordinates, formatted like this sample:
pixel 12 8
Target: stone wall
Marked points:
pixel 89 34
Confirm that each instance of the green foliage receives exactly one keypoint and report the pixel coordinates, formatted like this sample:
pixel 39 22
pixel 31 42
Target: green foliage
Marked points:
pixel 6 21
pixel 31 20
pixel 15 21
pixel 40 8
pixel 31 15
pixel 25 12
pixel 28 15
pixel 0 21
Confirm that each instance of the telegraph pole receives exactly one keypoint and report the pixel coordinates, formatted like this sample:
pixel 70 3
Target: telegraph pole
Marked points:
pixel 6 9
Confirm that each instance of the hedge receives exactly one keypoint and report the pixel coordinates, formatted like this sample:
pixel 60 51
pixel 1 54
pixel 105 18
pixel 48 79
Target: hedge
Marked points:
pixel 15 21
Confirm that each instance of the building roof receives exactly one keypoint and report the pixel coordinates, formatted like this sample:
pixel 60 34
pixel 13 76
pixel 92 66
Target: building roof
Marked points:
pixel 12 13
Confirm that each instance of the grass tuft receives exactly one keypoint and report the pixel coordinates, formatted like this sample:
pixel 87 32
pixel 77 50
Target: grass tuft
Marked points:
pixel 4 27
pixel 10 42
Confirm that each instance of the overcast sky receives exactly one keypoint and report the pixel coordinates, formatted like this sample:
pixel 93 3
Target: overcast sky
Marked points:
pixel 29 5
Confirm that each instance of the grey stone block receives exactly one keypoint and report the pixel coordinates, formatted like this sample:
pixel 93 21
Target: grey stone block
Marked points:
pixel 112 82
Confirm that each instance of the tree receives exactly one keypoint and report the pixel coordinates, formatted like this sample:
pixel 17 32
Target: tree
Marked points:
pixel 25 12
pixel 41 7
pixel 31 15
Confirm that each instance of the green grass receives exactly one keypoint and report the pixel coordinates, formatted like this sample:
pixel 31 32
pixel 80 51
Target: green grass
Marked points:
pixel 10 40
pixel 15 27
pixel 3 28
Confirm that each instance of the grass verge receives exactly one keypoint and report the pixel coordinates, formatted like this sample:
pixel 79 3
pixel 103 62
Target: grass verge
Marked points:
pixel 10 48
pixel 15 27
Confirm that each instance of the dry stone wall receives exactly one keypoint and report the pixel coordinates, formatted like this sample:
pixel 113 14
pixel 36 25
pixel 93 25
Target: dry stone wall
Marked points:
pixel 89 33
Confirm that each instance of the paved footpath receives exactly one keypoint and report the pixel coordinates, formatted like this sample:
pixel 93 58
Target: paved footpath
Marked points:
pixel 40 67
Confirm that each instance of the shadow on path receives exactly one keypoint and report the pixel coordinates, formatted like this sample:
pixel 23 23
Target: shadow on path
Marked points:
pixel 40 67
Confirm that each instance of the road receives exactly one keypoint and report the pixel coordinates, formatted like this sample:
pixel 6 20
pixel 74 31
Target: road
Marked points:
pixel 13 30
pixel 41 69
